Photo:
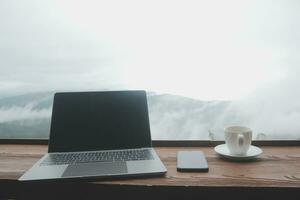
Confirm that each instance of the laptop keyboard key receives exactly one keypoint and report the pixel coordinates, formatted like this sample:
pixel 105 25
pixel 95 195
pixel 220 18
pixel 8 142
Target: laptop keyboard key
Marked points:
pixel 101 156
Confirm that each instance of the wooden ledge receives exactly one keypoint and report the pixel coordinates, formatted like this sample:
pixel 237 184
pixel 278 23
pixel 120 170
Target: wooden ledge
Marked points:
pixel 276 167
pixel 275 172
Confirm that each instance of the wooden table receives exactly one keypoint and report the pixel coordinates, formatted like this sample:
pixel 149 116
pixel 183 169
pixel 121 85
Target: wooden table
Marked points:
pixel 275 172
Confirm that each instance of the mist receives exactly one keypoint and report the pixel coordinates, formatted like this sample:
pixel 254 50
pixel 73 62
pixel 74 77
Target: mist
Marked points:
pixel 23 113
pixel 206 64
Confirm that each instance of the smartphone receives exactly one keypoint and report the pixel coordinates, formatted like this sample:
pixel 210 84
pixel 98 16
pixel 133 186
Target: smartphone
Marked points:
pixel 191 161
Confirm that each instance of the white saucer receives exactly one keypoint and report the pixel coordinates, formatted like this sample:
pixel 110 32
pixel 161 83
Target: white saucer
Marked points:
pixel 253 152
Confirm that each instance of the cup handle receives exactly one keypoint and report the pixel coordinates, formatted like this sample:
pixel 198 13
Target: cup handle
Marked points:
pixel 241 140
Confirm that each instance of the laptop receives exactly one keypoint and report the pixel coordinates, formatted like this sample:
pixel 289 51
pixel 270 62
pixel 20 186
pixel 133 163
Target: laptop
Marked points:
pixel 96 135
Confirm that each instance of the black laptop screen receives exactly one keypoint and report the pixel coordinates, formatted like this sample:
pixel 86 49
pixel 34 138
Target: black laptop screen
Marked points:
pixel 85 121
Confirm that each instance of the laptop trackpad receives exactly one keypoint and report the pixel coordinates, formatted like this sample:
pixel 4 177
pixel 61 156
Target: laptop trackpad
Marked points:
pixel 94 169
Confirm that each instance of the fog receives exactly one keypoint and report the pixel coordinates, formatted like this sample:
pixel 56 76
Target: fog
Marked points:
pixel 273 109
pixel 227 62
pixel 22 113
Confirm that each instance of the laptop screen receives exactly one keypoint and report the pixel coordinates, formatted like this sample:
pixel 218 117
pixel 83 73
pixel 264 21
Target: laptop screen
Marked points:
pixel 88 121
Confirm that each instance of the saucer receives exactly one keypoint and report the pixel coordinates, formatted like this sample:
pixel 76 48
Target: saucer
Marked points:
pixel 252 153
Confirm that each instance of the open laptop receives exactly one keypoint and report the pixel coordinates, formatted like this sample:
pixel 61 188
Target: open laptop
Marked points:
pixel 98 135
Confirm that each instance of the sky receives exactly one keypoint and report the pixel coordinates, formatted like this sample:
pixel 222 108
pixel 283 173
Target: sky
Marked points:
pixel 246 52
pixel 208 50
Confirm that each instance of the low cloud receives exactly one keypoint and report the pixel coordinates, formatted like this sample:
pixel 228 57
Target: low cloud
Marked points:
pixel 15 113
pixel 273 111
pixel 66 45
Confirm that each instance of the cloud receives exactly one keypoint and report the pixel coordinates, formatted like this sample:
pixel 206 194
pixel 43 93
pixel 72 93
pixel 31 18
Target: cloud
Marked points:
pixel 67 45
pixel 43 49
pixel 27 112
pixel 23 113
pixel 243 51
pixel 273 110
pixel 177 117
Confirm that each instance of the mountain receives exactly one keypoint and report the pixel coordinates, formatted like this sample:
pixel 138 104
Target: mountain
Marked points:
pixel 38 100
pixel 26 116
pixel 25 129
pixel 171 116
pixel 177 117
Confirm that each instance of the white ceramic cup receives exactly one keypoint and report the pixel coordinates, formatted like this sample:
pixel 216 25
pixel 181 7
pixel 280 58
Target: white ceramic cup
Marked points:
pixel 238 139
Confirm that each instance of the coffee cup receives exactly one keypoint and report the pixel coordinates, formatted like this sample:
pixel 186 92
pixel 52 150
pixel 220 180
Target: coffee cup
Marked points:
pixel 238 139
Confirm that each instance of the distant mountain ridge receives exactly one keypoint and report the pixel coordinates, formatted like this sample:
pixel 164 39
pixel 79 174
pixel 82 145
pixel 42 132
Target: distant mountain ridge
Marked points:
pixel 39 100
pixel 171 116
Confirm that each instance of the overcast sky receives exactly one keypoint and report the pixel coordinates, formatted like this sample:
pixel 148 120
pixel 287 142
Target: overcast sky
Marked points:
pixel 246 51
pixel 202 49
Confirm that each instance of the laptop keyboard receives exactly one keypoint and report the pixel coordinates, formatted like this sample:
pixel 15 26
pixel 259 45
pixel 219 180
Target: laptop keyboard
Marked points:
pixel 98 156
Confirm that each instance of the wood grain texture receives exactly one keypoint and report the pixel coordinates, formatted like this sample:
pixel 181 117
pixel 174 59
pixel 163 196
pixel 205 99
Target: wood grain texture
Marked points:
pixel 277 167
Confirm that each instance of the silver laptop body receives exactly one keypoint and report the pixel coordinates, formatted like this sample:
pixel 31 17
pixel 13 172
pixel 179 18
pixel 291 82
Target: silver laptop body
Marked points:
pixel 98 135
